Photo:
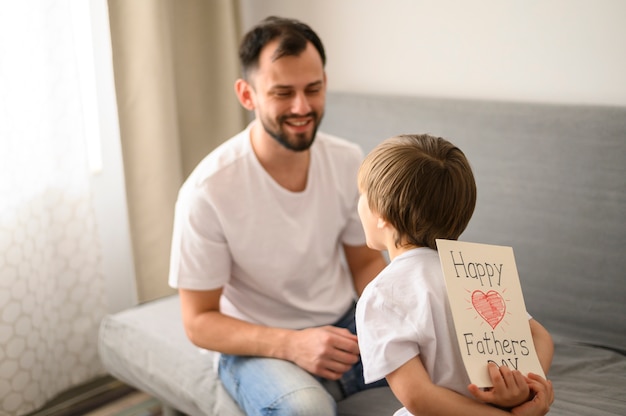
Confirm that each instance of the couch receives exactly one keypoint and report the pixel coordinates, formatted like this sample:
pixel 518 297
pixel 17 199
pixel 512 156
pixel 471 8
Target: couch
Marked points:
pixel 551 184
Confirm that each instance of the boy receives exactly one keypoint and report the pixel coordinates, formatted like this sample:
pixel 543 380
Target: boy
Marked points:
pixel 415 189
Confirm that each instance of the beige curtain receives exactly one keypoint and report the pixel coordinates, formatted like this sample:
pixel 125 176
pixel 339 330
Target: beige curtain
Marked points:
pixel 175 63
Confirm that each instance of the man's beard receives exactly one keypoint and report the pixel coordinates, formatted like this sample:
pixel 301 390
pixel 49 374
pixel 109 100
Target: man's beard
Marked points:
pixel 301 141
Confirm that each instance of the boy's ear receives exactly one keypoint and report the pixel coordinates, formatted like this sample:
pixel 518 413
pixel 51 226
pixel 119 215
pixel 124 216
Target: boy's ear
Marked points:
pixel 245 94
pixel 381 223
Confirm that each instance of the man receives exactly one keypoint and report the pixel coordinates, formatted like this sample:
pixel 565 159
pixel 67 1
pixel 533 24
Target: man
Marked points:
pixel 262 228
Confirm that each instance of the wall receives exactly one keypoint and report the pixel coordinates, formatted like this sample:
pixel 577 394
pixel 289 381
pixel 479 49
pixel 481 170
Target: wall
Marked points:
pixel 566 51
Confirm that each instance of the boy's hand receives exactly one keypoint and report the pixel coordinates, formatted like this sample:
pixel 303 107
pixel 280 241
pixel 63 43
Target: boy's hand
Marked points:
pixel 510 387
pixel 539 405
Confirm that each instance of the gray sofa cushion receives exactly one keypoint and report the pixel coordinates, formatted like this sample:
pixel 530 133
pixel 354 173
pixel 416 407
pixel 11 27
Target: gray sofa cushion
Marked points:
pixel 147 348
pixel 551 183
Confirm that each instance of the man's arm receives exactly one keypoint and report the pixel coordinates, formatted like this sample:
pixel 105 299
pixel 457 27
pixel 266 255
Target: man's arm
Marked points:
pixel 324 351
pixel 364 264
pixel 208 328
pixel 415 390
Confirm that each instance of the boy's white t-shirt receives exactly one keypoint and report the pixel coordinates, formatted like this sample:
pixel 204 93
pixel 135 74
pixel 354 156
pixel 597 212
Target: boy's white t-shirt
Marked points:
pixel 276 253
pixel 403 313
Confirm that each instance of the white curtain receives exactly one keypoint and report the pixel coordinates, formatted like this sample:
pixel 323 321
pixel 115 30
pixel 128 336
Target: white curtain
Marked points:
pixel 52 291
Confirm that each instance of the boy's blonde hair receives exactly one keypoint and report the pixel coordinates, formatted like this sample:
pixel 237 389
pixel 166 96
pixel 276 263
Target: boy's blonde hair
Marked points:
pixel 422 185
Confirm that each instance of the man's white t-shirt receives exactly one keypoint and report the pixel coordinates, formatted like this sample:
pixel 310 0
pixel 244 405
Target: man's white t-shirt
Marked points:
pixel 403 313
pixel 277 253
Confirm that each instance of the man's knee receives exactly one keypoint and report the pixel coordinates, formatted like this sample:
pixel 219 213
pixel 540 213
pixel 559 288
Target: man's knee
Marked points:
pixel 309 401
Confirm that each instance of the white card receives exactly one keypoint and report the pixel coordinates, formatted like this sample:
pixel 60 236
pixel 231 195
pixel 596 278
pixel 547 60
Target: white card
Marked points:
pixel 488 308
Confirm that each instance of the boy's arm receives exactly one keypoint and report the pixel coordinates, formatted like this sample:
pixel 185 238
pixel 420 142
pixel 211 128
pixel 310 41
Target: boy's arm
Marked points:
pixel 412 386
pixel 543 344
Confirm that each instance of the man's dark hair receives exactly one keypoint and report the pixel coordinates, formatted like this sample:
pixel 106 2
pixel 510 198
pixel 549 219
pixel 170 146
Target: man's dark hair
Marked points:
pixel 293 36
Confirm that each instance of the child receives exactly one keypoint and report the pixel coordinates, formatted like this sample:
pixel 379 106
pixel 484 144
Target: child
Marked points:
pixel 415 189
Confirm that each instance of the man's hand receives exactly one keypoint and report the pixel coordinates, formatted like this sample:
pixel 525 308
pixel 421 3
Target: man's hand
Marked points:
pixel 510 387
pixel 539 405
pixel 326 351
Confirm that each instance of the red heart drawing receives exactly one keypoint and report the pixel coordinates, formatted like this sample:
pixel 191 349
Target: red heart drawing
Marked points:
pixel 490 306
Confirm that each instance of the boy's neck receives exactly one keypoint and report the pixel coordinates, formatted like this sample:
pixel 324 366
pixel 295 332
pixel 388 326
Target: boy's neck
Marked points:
pixel 403 247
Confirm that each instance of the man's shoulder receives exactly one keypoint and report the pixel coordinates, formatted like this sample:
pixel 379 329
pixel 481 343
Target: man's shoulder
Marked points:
pixel 223 158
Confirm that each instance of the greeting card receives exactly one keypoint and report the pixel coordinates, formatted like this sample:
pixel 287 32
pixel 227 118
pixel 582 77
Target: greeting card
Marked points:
pixel 488 308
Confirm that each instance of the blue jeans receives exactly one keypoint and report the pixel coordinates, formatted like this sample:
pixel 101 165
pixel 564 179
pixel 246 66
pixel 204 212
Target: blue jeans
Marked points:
pixel 269 386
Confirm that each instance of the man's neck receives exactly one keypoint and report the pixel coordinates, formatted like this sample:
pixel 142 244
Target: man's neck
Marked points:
pixel 287 167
